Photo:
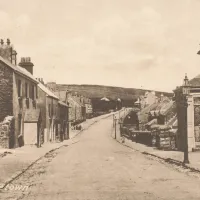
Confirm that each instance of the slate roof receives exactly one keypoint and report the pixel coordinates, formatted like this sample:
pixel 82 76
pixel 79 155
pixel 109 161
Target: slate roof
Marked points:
pixel 32 115
pixel 170 107
pixel 195 81
pixel 61 95
pixel 152 122
pixel 19 70
pixel 144 113
pixel 175 124
pixel 47 91
pixel 163 108
pixel 62 103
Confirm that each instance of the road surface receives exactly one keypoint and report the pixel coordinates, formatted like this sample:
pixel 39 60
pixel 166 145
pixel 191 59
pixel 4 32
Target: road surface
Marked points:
pixel 96 167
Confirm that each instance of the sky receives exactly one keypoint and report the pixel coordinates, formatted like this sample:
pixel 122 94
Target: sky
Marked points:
pixel 147 44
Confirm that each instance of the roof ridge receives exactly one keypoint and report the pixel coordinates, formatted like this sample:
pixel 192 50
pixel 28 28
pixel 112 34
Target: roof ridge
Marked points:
pixel 18 69
pixel 47 91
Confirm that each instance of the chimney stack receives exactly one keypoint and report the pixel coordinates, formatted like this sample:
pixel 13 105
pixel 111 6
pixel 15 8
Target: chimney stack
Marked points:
pixel 7 51
pixel 8 42
pixel 26 64
pixel 42 81
pixel 162 97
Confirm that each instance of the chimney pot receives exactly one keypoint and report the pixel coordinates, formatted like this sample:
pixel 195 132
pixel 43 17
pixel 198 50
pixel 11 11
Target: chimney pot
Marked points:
pixel 2 42
pixel 8 41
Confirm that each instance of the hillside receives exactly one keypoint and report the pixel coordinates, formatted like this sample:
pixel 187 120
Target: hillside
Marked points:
pixel 99 91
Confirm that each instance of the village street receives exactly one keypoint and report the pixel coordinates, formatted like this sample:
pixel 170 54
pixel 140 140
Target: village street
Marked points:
pixel 97 167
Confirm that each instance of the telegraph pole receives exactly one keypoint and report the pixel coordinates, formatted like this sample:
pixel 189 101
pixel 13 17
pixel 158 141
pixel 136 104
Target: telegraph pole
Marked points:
pixel 186 159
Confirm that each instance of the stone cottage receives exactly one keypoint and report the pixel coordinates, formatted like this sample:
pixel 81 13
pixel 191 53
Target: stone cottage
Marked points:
pixel 54 115
pixel 88 106
pixel 77 112
pixel 164 112
pixel 77 103
pixel 18 98
pixel 147 99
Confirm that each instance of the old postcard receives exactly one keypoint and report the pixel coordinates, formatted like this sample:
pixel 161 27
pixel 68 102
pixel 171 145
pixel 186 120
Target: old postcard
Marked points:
pixel 99 99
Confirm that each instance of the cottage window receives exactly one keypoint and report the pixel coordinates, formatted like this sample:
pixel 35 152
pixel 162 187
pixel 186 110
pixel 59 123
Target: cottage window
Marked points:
pixel 26 90
pixel 36 92
pixel 30 91
pixel 49 110
pixel 33 92
pixel 19 88
pixel 52 110
pixel 56 110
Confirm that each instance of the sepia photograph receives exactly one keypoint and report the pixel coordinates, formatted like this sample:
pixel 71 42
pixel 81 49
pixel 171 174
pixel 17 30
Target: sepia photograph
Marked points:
pixel 99 100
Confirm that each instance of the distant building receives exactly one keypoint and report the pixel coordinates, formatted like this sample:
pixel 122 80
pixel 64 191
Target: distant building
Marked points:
pixel 88 106
pixel 79 106
pixel 54 115
pixel 147 99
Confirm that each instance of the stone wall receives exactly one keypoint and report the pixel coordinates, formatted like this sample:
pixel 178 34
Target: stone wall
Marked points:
pixel 6 91
pixel 7 136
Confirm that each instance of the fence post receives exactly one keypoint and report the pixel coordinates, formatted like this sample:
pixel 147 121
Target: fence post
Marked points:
pixel 120 129
pixel 115 128
pixel 113 120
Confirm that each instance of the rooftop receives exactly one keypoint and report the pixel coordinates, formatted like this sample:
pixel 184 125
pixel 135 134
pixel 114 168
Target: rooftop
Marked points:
pixel 195 81
pixel 18 69
pixel 47 91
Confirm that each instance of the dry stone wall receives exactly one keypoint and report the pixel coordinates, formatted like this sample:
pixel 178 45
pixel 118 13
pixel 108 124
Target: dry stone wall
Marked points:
pixel 7 133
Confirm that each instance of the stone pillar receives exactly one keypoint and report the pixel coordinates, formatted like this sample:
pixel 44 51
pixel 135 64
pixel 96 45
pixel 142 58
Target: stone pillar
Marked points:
pixel 190 124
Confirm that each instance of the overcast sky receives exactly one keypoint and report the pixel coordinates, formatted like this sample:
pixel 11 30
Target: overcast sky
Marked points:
pixel 129 43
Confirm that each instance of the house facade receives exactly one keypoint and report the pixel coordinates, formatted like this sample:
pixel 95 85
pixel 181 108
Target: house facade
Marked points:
pixel 147 99
pixel 79 106
pixel 77 111
pixel 18 94
pixel 88 107
pixel 54 115
pixel 164 112
pixel 63 120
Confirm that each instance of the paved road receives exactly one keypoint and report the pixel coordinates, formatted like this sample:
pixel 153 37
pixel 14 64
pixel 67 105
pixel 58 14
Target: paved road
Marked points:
pixel 96 167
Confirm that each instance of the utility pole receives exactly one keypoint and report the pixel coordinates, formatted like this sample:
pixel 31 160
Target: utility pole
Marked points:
pixel 186 92
pixel 186 159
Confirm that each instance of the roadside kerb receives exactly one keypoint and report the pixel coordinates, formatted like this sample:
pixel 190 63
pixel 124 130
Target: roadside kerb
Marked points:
pixel 144 150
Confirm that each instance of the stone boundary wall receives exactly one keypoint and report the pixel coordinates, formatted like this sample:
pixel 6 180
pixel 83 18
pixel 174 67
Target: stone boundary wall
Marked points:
pixel 7 133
